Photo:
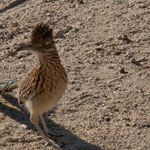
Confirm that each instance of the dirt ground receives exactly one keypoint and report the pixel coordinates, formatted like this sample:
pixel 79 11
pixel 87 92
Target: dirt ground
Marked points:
pixel 105 47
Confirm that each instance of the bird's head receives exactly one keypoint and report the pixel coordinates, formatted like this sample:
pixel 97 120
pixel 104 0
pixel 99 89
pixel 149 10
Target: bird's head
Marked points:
pixel 41 39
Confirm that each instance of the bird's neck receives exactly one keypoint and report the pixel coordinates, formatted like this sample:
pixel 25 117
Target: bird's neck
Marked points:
pixel 50 64
pixel 50 58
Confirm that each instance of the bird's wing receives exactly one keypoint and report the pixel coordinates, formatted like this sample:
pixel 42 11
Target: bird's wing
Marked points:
pixel 9 86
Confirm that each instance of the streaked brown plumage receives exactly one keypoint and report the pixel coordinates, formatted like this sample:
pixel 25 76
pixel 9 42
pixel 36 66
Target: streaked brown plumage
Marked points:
pixel 42 88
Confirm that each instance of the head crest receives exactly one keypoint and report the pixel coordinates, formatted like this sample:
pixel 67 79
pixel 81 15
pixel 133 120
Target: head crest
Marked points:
pixel 40 33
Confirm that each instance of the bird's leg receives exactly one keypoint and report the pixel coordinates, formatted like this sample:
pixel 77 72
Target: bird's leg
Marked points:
pixel 44 124
pixel 46 128
pixel 34 120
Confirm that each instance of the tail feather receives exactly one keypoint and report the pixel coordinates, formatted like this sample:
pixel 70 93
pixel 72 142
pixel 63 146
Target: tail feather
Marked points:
pixel 9 86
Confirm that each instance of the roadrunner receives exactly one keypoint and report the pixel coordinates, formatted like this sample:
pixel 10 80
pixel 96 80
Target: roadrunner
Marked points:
pixel 42 88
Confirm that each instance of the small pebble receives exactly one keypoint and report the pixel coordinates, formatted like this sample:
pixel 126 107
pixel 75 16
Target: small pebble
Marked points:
pixel 60 34
pixel 121 70
pixel 14 24
pixel 99 49
pixel 24 126
pixel 125 38
pixel 80 1
pixel 132 60
pixel 68 28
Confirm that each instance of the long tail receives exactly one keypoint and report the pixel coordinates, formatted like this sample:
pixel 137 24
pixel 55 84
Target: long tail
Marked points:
pixel 9 86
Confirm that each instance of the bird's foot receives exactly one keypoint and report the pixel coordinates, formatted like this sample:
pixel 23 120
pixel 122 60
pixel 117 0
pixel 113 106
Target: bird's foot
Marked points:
pixel 53 134
pixel 52 144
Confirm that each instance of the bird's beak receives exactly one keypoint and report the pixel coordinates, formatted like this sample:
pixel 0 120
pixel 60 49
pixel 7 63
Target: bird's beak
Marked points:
pixel 25 46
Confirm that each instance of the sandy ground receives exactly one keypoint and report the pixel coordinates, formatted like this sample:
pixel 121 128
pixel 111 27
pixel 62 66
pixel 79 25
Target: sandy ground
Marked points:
pixel 105 48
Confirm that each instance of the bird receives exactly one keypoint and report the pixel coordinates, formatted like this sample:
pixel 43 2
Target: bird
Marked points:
pixel 43 86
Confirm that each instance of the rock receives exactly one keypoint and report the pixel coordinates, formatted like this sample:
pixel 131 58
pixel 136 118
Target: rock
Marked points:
pixel 134 61
pixel 24 126
pixel 98 49
pixel 14 24
pixel 97 79
pixel 80 1
pixel 68 28
pixel 122 70
pixel 108 119
pixel 1 26
pixel 60 34
pixel 99 43
pixel 112 66
pixel 11 35
pixel 76 30
pixel 125 38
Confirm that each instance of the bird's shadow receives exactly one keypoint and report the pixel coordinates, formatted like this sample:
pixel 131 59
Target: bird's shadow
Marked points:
pixel 64 138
